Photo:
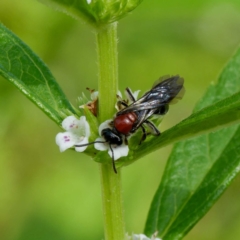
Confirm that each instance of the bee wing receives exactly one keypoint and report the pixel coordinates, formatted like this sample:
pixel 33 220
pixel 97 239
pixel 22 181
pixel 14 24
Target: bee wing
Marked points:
pixel 168 89
pixel 153 105
pixel 178 97
pixel 165 90
pixel 161 79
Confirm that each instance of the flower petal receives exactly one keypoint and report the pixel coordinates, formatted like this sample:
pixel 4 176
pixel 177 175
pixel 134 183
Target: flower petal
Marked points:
pixel 83 141
pixel 77 133
pixel 135 93
pixel 69 122
pixel 104 125
pixel 94 95
pixel 86 125
pixel 101 146
pixel 140 237
pixel 143 237
pixel 78 127
pixel 65 140
pixel 119 93
pixel 119 151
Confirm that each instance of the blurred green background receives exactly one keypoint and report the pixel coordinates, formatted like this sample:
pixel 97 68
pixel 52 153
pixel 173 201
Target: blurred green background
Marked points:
pixel 45 194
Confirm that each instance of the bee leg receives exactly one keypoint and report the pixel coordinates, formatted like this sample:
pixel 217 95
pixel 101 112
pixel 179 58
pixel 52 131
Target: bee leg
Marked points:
pixel 130 95
pixel 153 128
pixel 121 104
pixel 111 124
pixel 144 135
pixel 162 110
pixel 125 140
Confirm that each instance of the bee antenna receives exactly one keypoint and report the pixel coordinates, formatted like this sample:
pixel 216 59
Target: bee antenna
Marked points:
pixel 113 162
pixel 86 144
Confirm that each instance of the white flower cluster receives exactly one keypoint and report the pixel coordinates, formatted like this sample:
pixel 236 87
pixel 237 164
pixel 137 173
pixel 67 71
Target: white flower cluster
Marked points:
pixel 78 132
pixel 143 237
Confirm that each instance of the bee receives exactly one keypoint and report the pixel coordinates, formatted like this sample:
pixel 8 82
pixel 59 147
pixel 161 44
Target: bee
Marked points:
pixel 130 118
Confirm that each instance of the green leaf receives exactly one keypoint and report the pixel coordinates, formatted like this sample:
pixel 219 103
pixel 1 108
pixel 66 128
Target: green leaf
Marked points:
pixel 198 170
pixel 30 75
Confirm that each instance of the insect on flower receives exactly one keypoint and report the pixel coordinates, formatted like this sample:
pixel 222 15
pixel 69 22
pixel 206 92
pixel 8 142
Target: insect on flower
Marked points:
pixel 130 118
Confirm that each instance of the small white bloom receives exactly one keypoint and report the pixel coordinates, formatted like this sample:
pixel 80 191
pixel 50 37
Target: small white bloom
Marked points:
pixel 89 1
pixel 119 93
pixel 77 132
pixel 144 237
pixel 118 151
pixel 94 95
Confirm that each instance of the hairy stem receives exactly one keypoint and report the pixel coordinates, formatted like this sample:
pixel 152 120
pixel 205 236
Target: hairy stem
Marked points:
pixel 108 83
pixel 108 71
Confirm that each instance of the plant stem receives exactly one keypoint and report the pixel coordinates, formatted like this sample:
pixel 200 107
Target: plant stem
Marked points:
pixel 108 71
pixel 112 203
pixel 107 86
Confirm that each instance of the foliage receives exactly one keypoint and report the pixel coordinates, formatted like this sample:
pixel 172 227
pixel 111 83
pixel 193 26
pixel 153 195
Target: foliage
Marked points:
pixel 30 75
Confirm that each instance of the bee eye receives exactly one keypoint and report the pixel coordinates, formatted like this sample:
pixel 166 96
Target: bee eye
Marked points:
pixel 112 137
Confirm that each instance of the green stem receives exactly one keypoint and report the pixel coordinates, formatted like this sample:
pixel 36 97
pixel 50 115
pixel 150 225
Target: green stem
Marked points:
pixel 108 71
pixel 112 203
pixel 108 84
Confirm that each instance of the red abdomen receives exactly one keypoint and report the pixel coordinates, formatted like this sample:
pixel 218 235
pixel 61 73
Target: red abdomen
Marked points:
pixel 124 123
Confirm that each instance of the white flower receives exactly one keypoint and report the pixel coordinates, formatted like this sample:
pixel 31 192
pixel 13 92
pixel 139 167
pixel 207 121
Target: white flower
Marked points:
pixel 143 237
pixel 94 95
pixel 118 151
pixel 77 132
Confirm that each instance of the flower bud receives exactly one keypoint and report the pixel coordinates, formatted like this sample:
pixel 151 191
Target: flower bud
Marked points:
pixel 95 12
